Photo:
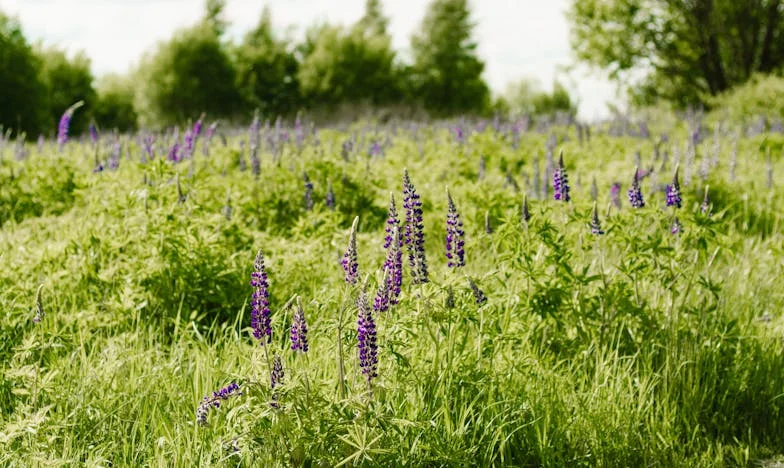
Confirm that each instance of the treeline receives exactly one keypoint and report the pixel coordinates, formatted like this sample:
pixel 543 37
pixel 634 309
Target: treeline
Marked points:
pixel 333 69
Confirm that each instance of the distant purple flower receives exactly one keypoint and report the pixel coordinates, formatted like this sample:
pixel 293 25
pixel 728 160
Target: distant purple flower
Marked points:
pixel 93 133
pixel 615 195
pixel 674 191
pixel 330 197
pixel 260 320
pixel 393 243
pixel 148 146
pixel 381 302
pixel 414 231
pixel 561 181
pixel 596 227
pixel 65 123
pixel 299 330
pixel 277 375
pixel 375 150
pixel 366 339
pixel 190 139
pixel 455 252
pixel 350 260
pixel 635 194
pixel 479 295
pixel 114 160
pixel 214 401
pixel 308 192
pixel 676 227
pixel 174 152
pixel 459 135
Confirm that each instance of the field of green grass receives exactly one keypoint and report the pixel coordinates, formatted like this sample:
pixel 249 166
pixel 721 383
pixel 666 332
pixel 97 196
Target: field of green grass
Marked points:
pixel 638 347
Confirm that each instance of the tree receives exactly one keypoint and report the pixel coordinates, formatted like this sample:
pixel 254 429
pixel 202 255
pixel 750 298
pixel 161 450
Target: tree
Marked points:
pixel 373 21
pixel 190 74
pixel 685 51
pixel 267 70
pixel 67 81
pixel 447 73
pixel 22 93
pixel 114 107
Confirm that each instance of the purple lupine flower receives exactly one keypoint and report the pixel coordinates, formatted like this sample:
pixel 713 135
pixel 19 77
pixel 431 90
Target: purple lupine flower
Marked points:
pixel 330 197
pixel 479 295
pixel 705 206
pixel 214 401
pixel 676 227
pixel 93 133
pixel 596 227
pixel 299 330
pixel 65 123
pixel 560 181
pixel 174 152
pixel 114 159
pixel 148 146
pixel 414 231
pixel 382 300
pixel 366 339
pixel 260 320
pixel 39 306
pixel 674 191
pixel 459 135
pixel 615 195
pixel 277 375
pixel 455 252
pixel 190 140
pixel 525 213
pixel 308 192
pixel 350 261
pixel 393 264
pixel 635 194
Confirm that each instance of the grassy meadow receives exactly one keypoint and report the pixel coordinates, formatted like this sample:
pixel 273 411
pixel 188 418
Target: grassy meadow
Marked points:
pixel 637 347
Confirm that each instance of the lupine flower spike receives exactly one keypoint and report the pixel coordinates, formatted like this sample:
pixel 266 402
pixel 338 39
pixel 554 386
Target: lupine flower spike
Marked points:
pixel 479 295
pixel 260 314
pixel 39 306
pixel 676 227
pixel 214 401
pixel 366 339
pixel 674 191
pixel 276 379
pixel 65 123
pixel 455 252
pixel 381 302
pixel 414 232
pixel 393 264
pixel 330 198
pixel 596 227
pixel 299 329
pixel 615 195
pixel 561 181
pixel 526 212
pixel 635 194
pixel 350 261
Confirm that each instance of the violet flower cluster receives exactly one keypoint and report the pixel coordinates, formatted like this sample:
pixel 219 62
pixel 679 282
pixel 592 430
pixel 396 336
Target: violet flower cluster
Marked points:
pixel 366 339
pixel 635 193
pixel 350 260
pixel 299 330
pixel 479 295
pixel 414 231
pixel 393 243
pixel 455 251
pixel 596 227
pixel 561 181
pixel 260 315
pixel 214 401
pixel 65 123
pixel 674 191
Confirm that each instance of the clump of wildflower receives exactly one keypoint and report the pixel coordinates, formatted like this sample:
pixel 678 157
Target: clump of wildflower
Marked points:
pixel 561 181
pixel 260 315
pixel 366 339
pixel 455 252
pixel 299 329
pixel 65 123
pixel 674 191
pixel 676 227
pixel 350 261
pixel 596 227
pixel 214 401
pixel 479 295
pixel 414 231
pixel 39 306
pixel 635 194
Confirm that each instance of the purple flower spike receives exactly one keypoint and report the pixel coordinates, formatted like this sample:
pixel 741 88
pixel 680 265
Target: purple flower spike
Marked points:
pixel 350 261
pixel 299 330
pixel 635 194
pixel 214 401
pixel 561 181
pixel 393 264
pixel 65 123
pixel 381 302
pixel 260 320
pixel 366 338
pixel 479 295
pixel 414 232
pixel 330 198
pixel 455 252
pixel 676 227
pixel 276 379
pixel 93 133
pixel 615 195
pixel 674 191
pixel 596 227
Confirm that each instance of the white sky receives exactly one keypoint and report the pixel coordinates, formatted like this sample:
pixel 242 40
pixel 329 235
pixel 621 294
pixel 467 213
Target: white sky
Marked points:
pixel 516 38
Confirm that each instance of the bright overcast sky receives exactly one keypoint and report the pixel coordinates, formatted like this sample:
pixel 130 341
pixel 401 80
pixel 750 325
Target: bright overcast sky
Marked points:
pixel 516 37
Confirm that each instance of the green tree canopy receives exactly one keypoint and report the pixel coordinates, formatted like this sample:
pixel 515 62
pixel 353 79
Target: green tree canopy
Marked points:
pixel 447 73
pixel 67 81
pixel 22 93
pixel 267 70
pixel 682 51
